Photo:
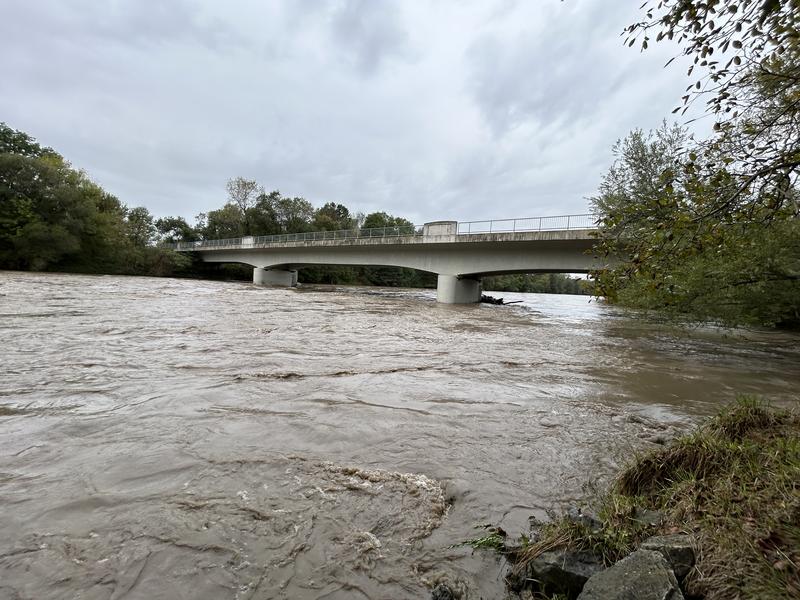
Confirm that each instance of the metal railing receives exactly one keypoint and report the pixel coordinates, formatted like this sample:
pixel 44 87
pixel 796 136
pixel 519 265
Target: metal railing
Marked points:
pixel 311 236
pixel 556 223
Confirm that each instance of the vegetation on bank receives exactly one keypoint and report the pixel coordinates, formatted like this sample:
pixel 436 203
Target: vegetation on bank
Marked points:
pixel 549 283
pixel 733 485
pixel 711 228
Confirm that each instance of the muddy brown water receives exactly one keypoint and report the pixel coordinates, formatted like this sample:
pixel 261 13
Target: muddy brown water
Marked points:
pixel 207 440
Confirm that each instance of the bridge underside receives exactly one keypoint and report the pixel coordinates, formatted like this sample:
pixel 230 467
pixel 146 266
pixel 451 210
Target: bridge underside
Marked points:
pixel 459 265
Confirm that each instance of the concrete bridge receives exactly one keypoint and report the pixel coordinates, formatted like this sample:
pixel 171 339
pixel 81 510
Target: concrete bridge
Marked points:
pixel 460 253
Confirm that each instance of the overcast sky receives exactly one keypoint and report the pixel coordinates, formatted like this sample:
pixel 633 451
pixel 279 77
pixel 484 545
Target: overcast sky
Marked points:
pixel 429 110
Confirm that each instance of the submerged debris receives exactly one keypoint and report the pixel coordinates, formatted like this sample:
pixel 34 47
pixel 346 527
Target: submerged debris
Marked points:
pixel 492 300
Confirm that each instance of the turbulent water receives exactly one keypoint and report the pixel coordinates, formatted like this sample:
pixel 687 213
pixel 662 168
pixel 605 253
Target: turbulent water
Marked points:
pixel 207 440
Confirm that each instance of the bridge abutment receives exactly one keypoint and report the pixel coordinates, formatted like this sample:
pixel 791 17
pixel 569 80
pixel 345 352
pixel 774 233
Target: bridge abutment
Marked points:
pixel 277 277
pixel 450 289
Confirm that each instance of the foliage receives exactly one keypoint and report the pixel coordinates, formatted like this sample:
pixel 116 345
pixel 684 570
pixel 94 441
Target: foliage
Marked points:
pixel 20 143
pixel 141 226
pixel 543 283
pixel 753 91
pixel 495 540
pixel 54 217
pixel 752 87
pixel 175 229
pixel 711 227
pixel 738 270
pixel 243 194
pixel 223 223
pixel 381 219
pixel 332 217
pixel 746 34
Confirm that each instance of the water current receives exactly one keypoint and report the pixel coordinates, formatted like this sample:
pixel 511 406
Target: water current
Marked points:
pixel 169 439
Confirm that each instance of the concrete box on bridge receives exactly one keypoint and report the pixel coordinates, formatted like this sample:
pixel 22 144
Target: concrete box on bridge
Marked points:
pixel 440 228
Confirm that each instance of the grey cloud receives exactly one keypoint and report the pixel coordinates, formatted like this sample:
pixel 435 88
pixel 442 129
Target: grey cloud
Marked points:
pixel 552 73
pixel 363 34
pixel 445 110
pixel 371 31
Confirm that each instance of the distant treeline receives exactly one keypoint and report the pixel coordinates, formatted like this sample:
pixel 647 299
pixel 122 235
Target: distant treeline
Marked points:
pixel 548 283
pixel 54 218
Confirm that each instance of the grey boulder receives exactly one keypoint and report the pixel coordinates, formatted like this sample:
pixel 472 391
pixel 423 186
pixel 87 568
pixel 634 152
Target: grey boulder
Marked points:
pixel 643 575
pixel 677 548
pixel 558 572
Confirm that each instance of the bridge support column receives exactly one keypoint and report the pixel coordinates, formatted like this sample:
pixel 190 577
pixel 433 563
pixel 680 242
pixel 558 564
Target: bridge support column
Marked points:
pixel 278 277
pixel 452 290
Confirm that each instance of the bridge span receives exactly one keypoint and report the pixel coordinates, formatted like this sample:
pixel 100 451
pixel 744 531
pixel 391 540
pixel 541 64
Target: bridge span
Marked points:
pixel 460 253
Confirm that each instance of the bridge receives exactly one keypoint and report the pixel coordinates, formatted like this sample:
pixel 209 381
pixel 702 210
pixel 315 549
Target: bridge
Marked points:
pixel 460 253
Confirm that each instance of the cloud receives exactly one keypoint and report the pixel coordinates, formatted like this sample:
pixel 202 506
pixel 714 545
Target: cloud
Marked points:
pixel 463 110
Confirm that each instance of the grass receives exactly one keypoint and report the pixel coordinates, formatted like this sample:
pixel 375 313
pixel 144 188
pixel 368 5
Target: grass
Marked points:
pixel 734 484
pixel 495 540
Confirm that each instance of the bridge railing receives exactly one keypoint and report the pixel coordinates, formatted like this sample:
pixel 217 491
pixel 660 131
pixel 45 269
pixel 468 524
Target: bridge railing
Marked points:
pixel 554 223
pixel 310 236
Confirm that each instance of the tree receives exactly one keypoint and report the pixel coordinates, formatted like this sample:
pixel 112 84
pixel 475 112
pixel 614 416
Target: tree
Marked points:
pixel 262 218
pixel 21 144
pixel 693 242
pixel 752 88
pixel 293 215
pixel 54 217
pixel 41 199
pixel 332 217
pixel 740 271
pixel 223 223
pixel 382 219
pixel 243 193
pixel 141 227
pixel 175 229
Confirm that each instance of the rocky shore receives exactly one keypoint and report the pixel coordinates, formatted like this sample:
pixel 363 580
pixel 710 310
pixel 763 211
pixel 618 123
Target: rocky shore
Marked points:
pixel 713 515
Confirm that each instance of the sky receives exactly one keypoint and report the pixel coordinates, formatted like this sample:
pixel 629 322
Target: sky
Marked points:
pixel 437 110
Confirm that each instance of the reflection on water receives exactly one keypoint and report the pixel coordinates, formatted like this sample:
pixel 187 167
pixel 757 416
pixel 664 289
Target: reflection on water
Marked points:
pixel 188 439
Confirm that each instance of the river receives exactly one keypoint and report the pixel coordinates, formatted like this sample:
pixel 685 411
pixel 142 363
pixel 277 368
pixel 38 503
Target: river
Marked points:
pixel 168 439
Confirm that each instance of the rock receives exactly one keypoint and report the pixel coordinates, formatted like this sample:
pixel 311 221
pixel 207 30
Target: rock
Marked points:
pixel 643 575
pixel 677 548
pixel 558 572
pixel 442 592
pixel 585 517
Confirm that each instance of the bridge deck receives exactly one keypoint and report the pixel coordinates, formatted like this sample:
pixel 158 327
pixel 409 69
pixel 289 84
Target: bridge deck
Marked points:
pixel 565 227
pixel 456 252
pixel 389 240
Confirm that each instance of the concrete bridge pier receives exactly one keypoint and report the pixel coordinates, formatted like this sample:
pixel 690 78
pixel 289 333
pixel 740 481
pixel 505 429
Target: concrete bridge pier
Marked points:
pixel 451 289
pixel 278 277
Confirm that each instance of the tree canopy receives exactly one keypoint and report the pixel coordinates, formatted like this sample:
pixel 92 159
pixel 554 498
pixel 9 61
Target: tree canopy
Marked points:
pixel 710 227
pixel 54 217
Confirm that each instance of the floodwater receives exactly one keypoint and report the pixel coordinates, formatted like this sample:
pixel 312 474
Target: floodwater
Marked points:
pixel 168 439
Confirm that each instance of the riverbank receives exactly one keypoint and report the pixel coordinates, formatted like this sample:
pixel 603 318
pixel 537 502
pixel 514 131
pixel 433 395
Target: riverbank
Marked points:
pixel 727 496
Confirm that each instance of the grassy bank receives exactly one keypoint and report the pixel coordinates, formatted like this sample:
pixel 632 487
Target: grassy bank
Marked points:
pixel 733 484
